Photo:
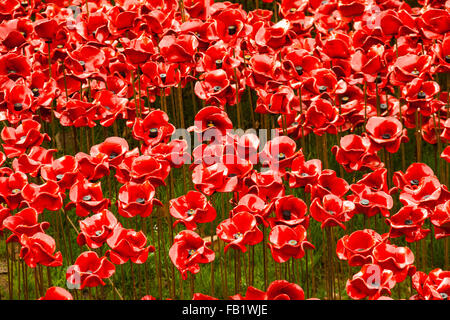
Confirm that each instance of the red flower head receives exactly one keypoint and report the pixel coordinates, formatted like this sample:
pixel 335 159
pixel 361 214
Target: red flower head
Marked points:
pixel 191 209
pixel 87 197
pixel 370 63
pixel 282 101
pixel 215 88
pixel 434 286
pixel 13 66
pixel 370 202
pixel 127 244
pixel 161 75
pixel 419 94
pixel 290 211
pixel 188 250
pixel 304 173
pixel 355 153
pixel 277 290
pixel 408 67
pixel 94 230
pixel 440 219
pixel 18 140
pixel 357 248
pixel 253 204
pixel 86 61
pixel 372 281
pixel 57 293
pixel 276 36
pixel 139 50
pixel 231 24
pixel 287 242
pixel 154 128
pixel 111 106
pixel 332 211
pixel 11 189
pixel 32 162
pixel 279 153
pixel 24 222
pixel 323 117
pixel 239 230
pixel 412 178
pixel 397 259
pixel 113 147
pixel 63 171
pixel 89 270
pixel 92 168
pixel 39 249
pixel 45 196
pixel 408 221
pixel 386 132
pixel 267 185
pixel 211 122
pixel 136 199
pixel 178 48
pixel 175 152
pixel 434 23
pixel 328 183
pixel 427 194
pixel 149 168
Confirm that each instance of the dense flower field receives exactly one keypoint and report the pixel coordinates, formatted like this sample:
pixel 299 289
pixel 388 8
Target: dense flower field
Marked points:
pixel 193 149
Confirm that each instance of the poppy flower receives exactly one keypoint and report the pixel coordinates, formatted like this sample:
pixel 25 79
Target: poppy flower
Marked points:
pixel 191 209
pixel 127 244
pixel 139 50
pixel 63 171
pixel 32 162
pixel 45 196
pixel 161 75
pixel 328 183
pixel 215 88
pixel 369 63
pixel 412 177
pixel 39 249
pixel 239 230
pixel 277 290
pixel 386 132
pixel 370 202
pixel 357 247
pixel 419 94
pixel 14 66
pixel 332 211
pixel 11 189
pixel 85 62
pixel 112 106
pixel 92 168
pixel 434 286
pixel 426 194
pixel 87 197
pixel 408 221
pixel 397 259
pixel 89 270
pixel 290 211
pixel 231 25
pixel 136 199
pixel 408 67
pixel 267 185
pixel 77 113
pixel 440 218
pixel 178 49
pixel 17 140
pixel 149 168
pixel 279 153
pixel 57 293
pixel 304 172
pixel 113 147
pixel 24 222
pixel 154 128
pixel 253 204
pixel 323 117
pixel 355 153
pixel 94 230
pixel 286 242
pixel 175 152
pixel 188 250
pixel 372 281
pixel 282 101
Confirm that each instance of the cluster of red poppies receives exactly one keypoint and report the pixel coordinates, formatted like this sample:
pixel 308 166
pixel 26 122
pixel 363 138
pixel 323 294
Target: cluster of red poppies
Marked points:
pixel 358 72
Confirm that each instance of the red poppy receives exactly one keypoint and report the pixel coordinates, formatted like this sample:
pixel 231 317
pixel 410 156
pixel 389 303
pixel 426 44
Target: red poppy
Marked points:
pixel 304 173
pixel 94 230
pixel 412 178
pixel 112 106
pixel 267 185
pixel 332 211
pixel 323 117
pixel 161 75
pixel 175 152
pixel 434 286
pixel 426 194
pixel 357 248
pixel 355 153
pixel 290 211
pixel 188 250
pixel 286 242
pixel 386 132
pixel 253 204
pixel 136 199
pixel 239 230
pixel 39 249
pixel 113 147
pixel 154 128
pixel 14 66
pixel 17 140
pixel 215 88
pixel 92 168
pixel 277 290
pixel 86 61
pixel 76 113
pixel 89 270
pixel 328 183
pixel 279 153
pixel 191 209
pixel 63 171
pixel 397 259
pixel 370 202
pixel 24 222
pixel 408 67
pixel 440 219
pixel 372 281
pixel 45 196
pixel 57 293
pixel 127 244
pixel 87 197
pixel 178 49
pixel 11 189
pixel 32 162
pixel 408 221
pixel 282 101
pixel 148 168
pixel 209 118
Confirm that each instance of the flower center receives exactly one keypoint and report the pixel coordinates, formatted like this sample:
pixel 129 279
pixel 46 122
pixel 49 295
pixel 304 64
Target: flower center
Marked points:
pixel 421 95
pixel 231 30
pixel 299 70
pixel 386 136
pixel 59 177
pixel 98 233
pixel 247 57
pixel 331 212
pixel 415 72
pixel 408 222
pixel 383 106
pixel 219 64
pixel 18 106
pixel 444 296
pixel 364 202
pixel 304 174
pixel 447 58
pixel 345 99
pixel 425 197
pixel 140 200
pixel 35 92
pixel 190 212
pixel 237 235
pixel 292 10
pixel 153 133
pixel 281 156
pixel 323 89
pixel 286 214
pixel 22 139
pixel 294 124
pixel 113 155
pixel 15 191
pixel 210 124
pixel 87 197
pixel 414 182
pixel 163 77
pixel 292 242
pixel 191 252
pixel 217 88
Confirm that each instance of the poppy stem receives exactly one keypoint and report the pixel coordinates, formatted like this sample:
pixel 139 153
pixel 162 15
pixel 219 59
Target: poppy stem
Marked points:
pixel 192 284
pixel 264 258
pixel 132 279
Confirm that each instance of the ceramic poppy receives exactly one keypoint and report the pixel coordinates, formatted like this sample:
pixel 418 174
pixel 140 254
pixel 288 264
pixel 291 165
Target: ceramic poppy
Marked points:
pixel 191 209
